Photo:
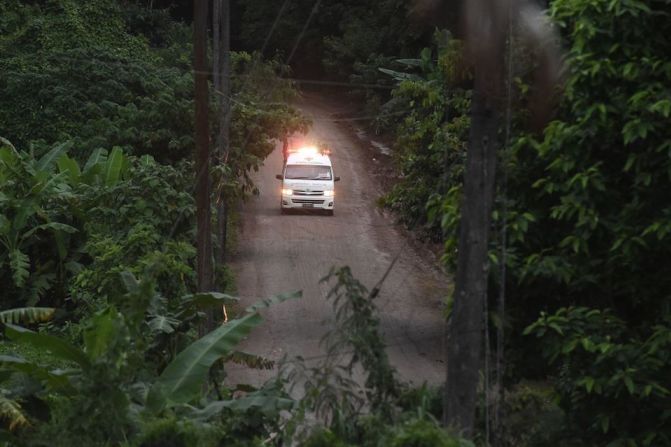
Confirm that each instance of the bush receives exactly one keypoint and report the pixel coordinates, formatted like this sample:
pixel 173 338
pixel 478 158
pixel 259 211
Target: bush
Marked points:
pixel 531 417
pixel 613 382
pixel 421 433
pixel 173 432
pixel 430 145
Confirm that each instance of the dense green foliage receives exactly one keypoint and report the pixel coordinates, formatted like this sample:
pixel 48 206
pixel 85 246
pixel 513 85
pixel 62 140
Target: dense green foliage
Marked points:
pixel 71 72
pixel 33 235
pixel 111 226
pixel 337 40
pixel 96 225
pixel 379 411
pixel 100 84
pixel 605 373
pixel 112 388
pixel 598 176
pixel 84 77
pixel 599 172
pixel 431 138
pixel 126 384
pixel 99 316
pixel 586 214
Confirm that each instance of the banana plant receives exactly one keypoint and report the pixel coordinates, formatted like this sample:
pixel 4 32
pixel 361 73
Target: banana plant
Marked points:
pixel 27 315
pixel 168 320
pixel 101 168
pixel 113 338
pixel 181 381
pixel 11 410
pixel 93 375
pixel 28 185
pixel 12 413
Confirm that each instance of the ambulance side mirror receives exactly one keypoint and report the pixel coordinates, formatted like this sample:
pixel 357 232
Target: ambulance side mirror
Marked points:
pixel 336 179
pixel 278 176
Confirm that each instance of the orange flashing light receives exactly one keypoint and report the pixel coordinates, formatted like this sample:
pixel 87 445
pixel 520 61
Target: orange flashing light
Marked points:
pixel 308 151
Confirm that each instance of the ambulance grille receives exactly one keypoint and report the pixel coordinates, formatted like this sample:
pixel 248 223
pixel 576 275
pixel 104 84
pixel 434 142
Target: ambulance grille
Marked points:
pixel 301 192
pixel 313 201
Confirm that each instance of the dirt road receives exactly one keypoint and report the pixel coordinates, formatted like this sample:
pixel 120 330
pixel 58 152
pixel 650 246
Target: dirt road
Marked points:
pixel 283 253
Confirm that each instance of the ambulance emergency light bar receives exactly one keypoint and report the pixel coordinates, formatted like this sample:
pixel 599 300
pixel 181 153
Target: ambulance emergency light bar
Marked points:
pixel 309 150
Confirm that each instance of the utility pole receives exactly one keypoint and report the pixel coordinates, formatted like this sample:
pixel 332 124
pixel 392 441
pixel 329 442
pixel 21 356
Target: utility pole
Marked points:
pixel 488 24
pixel 216 40
pixel 222 69
pixel 465 329
pixel 203 230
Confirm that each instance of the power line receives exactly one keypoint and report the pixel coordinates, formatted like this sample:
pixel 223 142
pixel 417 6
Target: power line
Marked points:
pixel 305 27
pixel 248 135
pixel 182 70
pixel 332 120
pixel 278 16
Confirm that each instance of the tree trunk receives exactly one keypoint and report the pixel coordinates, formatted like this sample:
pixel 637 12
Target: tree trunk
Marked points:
pixel 465 330
pixel 486 24
pixel 204 240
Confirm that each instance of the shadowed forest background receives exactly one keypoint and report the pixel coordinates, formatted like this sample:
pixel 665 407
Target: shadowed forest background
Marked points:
pixel 100 306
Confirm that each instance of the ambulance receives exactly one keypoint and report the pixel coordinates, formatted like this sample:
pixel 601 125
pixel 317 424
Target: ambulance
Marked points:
pixel 308 182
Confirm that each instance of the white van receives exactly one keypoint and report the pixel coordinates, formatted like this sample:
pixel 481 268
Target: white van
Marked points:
pixel 308 181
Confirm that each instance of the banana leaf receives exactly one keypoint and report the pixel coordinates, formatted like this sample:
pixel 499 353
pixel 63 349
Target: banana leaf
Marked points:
pixel 181 381
pixel 27 315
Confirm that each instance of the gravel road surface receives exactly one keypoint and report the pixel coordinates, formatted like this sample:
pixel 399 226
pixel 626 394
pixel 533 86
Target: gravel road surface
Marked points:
pixel 282 253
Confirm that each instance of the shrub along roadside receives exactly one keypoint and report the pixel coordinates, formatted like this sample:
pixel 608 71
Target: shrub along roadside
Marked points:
pixel 114 382
pixel 115 390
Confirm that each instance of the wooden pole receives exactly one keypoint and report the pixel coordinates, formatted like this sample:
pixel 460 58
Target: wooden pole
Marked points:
pixel 465 330
pixel 204 239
